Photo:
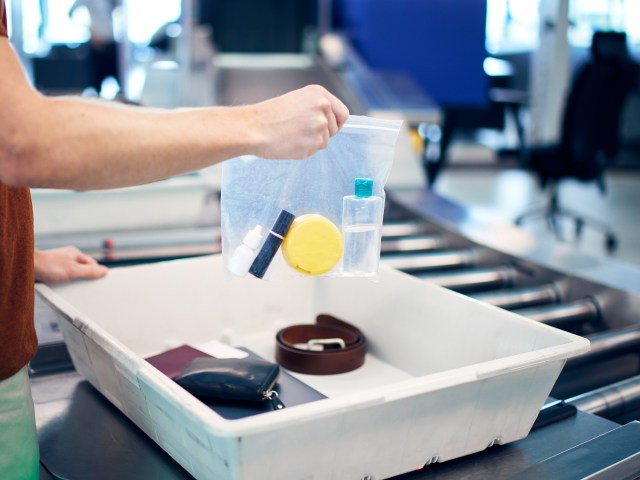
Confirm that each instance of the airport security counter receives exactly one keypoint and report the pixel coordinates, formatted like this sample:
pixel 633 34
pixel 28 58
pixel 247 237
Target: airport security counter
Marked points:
pixel 82 435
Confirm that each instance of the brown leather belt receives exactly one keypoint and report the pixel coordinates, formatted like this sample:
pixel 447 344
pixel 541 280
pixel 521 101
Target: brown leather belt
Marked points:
pixel 329 346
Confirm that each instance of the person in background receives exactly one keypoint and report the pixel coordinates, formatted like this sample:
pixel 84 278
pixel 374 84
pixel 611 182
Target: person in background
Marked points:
pixel 103 51
pixel 80 144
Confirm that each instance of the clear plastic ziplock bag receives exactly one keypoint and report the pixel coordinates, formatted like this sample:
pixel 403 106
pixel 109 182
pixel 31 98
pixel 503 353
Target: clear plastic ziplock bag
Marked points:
pixel 318 216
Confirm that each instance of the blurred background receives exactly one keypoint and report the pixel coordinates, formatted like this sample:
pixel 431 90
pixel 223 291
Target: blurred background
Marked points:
pixel 477 82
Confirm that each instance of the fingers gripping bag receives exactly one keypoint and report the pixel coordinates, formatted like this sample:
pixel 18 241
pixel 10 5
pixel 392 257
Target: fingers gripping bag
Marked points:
pixel 318 216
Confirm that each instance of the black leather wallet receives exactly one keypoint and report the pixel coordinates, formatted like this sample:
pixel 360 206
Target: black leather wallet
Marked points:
pixel 232 379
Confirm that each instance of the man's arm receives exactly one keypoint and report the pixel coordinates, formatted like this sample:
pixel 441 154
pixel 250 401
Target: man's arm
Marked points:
pixel 78 144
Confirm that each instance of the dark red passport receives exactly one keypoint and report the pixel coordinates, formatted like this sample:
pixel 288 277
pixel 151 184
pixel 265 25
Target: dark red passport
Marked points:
pixel 291 391
pixel 173 361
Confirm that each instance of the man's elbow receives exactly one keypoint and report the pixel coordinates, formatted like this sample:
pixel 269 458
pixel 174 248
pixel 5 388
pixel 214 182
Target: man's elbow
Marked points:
pixel 17 168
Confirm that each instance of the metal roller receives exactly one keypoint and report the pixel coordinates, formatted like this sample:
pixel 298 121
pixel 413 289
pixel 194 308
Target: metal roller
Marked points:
pixel 608 345
pixel 611 401
pixel 564 315
pixel 473 280
pixel 413 244
pixel 403 229
pixel 420 262
pixel 521 297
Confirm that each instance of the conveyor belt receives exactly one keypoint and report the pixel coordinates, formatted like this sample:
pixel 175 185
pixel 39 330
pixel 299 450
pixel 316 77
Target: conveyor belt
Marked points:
pixel 608 317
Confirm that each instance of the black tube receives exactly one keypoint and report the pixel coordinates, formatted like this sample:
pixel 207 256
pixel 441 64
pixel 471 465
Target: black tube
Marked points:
pixel 271 244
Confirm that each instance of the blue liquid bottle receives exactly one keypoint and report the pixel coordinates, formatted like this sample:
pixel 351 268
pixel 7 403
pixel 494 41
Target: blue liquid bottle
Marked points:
pixel 361 221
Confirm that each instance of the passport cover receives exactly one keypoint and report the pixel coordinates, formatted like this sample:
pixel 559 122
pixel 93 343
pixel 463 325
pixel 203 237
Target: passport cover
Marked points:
pixel 291 391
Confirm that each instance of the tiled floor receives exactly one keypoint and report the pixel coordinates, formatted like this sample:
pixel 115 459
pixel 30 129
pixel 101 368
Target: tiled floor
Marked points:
pixel 502 194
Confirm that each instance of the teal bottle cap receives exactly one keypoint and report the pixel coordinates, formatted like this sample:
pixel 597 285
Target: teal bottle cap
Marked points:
pixel 363 187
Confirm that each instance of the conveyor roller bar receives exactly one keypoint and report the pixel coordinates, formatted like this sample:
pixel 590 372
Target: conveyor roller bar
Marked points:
pixel 473 280
pixel 521 297
pixel 412 244
pixel 611 401
pixel 403 229
pixel 564 315
pixel 608 345
pixel 418 262
pixel 136 239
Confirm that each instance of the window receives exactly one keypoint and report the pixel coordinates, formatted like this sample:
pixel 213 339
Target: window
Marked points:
pixel 513 25
pixel 47 22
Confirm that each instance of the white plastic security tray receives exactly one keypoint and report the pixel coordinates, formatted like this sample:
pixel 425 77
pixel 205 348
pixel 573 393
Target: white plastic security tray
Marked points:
pixel 445 376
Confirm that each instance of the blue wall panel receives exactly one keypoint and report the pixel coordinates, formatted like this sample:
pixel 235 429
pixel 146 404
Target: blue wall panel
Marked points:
pixel 440 42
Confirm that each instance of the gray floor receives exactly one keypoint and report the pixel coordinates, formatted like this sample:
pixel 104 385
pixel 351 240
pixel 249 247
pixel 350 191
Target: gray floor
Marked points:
pixel 502 194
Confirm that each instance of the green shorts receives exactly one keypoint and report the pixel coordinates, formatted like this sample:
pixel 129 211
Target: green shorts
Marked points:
pixel 19 456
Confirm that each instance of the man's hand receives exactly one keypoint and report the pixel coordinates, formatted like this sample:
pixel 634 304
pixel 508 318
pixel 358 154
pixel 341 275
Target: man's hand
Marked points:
pixel 299 123
pixel 62 265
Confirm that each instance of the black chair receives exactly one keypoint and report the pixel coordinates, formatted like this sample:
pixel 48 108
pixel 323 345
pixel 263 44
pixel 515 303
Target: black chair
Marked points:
pixel 590 132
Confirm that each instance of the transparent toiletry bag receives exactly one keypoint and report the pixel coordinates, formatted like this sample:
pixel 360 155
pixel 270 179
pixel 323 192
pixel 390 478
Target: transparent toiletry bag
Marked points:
pixel 319 216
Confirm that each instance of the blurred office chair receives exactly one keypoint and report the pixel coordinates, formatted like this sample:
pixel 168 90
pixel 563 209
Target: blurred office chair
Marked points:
pixel 590 133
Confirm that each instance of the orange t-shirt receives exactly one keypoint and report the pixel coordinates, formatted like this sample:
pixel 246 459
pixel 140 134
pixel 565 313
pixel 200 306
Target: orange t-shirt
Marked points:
pixel 18 341
pixel 3 21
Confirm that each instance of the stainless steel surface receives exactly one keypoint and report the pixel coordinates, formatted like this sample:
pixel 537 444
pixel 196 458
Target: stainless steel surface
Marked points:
pixel 612 401
pixel 612 456
pixel 83 436
pixel 521 297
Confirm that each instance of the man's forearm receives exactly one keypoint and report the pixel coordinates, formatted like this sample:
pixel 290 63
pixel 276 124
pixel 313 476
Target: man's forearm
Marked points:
pixel 81 145
pixel 78 144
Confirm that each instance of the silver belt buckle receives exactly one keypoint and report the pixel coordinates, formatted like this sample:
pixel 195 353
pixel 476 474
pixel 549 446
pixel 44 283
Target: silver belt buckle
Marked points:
pixel 318 344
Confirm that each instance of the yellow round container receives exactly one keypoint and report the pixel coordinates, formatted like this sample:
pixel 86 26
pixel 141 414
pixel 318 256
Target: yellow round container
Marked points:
pixel 313 244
